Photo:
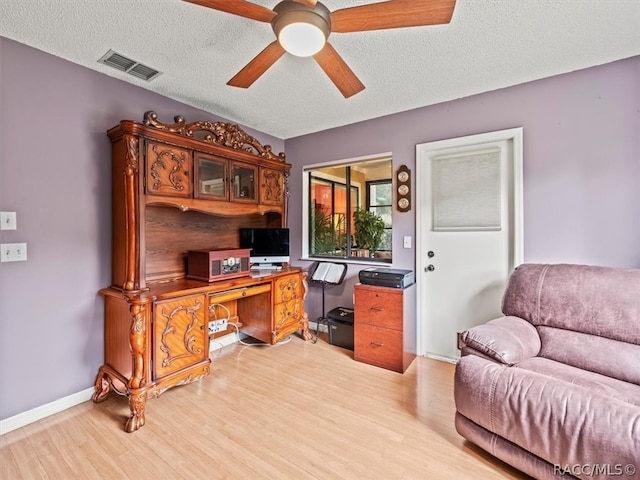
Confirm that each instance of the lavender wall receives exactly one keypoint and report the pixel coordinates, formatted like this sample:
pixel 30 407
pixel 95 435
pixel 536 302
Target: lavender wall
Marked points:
pixel 55 173
pixel 581 164
pixel 582 201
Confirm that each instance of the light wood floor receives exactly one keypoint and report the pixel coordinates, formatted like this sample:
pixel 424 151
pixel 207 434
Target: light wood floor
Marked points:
pixel 292 411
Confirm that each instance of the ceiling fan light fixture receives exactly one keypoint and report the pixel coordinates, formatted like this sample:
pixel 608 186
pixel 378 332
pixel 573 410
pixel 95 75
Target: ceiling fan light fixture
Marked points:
pixel 301 30
pixel 301 39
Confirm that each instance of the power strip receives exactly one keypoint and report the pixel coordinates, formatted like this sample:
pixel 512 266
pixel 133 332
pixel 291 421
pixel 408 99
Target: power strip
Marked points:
pixel 216 326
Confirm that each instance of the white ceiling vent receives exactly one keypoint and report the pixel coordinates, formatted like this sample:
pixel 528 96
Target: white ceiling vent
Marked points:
pixel 124 64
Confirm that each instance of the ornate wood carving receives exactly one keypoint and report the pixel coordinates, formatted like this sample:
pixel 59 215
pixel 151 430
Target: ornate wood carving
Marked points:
pixel 137 403
pixel 151 120
pixel 304 321
pixel 288 289
pixel 102 387
pixel 287 312
pixel 185 381
pixel 220 133
pixel 131 172
pixel 189 339
pixel 176 161
pixel 272 186
pixel 287 194
pixel 137 341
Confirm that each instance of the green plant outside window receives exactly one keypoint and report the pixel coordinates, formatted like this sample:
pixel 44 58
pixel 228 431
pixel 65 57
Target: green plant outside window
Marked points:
pixel 357 225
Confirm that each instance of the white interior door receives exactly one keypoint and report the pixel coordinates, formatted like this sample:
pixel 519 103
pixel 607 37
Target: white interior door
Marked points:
pixel 469 233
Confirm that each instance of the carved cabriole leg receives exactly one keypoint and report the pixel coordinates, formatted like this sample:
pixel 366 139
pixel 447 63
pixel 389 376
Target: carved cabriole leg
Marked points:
pixel 304 319
pixel 102 386
pixel 304 329
pixel 137 392
pixel 137 403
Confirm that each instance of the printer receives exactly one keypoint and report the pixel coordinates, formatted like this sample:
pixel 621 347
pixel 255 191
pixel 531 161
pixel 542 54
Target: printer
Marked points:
pixel 386 277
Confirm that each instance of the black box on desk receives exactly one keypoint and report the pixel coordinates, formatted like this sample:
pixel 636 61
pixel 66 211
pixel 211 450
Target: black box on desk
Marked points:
pixel 340 325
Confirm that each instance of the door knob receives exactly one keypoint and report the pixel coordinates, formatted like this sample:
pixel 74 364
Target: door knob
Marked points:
pixel 430 268
pixel 430 254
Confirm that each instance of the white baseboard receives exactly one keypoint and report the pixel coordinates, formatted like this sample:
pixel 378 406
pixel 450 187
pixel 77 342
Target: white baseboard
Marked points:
pixel 221 342
pixel 323 327
pixel 38 413
pixel 25 418
pixel 442 358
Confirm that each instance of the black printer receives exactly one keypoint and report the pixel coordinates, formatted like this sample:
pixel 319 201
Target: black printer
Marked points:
pixel 386 277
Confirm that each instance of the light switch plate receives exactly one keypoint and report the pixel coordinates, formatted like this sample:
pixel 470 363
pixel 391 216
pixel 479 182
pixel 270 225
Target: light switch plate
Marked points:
pixel 8 221
pixel 13 252
pixel 407 241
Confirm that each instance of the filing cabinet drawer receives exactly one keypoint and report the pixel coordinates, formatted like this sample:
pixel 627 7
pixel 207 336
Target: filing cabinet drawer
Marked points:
pixel 378 346
pixel 381 308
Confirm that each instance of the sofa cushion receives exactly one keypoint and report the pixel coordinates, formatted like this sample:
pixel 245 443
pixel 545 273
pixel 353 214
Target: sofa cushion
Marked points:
pixel 558 421
pixel 604 385
pixel 602 355
pixel 601 301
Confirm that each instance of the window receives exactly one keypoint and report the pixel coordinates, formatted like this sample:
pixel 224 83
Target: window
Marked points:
pixel 380 201
pixel 354 225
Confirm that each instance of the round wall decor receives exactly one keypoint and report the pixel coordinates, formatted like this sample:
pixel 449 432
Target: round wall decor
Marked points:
pixel 403 189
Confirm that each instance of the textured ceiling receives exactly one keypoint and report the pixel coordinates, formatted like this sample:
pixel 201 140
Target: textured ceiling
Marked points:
pixel 489 44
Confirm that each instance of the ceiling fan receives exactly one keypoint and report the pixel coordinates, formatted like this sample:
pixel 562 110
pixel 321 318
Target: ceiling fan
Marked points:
pixel 302 28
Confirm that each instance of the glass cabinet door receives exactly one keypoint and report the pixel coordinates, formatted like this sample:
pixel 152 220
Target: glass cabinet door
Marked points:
pixel 211 178
pixel 243 182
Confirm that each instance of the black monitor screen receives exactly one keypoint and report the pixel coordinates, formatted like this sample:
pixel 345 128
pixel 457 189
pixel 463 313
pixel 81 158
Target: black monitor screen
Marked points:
pixel 265 241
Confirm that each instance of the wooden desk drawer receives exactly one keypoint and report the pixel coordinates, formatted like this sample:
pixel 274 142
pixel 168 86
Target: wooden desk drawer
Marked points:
pixel 236 293
pixel 378 346
pixel 287 288
pixel 286 313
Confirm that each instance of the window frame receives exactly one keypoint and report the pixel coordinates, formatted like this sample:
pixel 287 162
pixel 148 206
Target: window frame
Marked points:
pixel 311 170
pixel 385 181
pixel 333 182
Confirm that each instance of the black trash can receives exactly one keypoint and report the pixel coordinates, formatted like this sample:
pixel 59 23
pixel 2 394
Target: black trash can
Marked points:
pixel 340 325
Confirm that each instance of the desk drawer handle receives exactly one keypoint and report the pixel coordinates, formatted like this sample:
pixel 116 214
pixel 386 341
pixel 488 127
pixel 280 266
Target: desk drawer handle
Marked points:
pixel 377 344
pixel 377 309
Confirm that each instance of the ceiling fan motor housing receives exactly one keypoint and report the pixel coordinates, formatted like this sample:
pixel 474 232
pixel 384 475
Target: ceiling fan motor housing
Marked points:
pixel 289 12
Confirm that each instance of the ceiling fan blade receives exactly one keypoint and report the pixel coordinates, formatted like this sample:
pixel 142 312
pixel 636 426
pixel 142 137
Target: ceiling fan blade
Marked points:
pixel 256 67
pixel 392 14
pixel 338 71
pixel 309 3
pixel 238 7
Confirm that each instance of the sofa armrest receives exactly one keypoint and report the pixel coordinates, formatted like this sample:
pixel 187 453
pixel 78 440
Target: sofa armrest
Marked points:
pixel 507 340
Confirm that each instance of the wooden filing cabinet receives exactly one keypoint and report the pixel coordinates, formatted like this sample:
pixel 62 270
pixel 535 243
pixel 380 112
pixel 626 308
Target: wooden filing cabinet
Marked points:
pixel 385 326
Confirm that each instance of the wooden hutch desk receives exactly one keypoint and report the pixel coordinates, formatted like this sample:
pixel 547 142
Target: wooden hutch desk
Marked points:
pixel 180 187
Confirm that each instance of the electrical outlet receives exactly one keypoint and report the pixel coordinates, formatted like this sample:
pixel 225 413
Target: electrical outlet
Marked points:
pixel 8 221
pixel 13 252
pixel 216 326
